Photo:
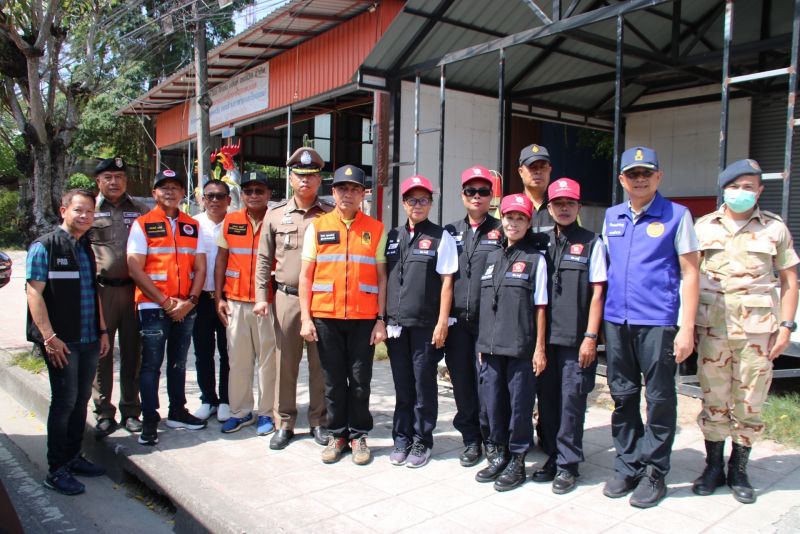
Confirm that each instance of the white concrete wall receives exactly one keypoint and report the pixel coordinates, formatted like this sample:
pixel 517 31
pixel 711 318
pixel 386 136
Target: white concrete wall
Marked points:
pixel 687 142
pixel 471 136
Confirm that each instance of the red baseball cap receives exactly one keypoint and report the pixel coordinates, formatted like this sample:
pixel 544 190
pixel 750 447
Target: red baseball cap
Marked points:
pixel 414 182
pixel 517 202
pixel 476 172
pixel 564 188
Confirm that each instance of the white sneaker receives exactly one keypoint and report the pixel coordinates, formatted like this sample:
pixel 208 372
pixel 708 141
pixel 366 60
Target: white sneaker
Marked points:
pixel 223 413
pixel 205 411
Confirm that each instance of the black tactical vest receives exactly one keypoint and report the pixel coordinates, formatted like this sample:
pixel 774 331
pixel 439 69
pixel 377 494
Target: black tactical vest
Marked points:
pixel 507 324
pixel 473 249
pixel 62 291
pixel 414 287
pixel 569 291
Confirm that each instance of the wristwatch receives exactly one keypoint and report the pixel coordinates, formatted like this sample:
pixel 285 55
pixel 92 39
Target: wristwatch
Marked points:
pixel 381 318
pixel 590 335
pixel 193 299
pixel 789 325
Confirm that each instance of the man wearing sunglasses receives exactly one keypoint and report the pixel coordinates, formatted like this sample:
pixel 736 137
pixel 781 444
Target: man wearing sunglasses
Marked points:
pixel 208 333
pixel 652 248
pixel 251 337
pixel 476 235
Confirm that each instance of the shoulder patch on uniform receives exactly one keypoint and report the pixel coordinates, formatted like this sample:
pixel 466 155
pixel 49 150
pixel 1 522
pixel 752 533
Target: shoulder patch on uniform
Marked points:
pixel 280 203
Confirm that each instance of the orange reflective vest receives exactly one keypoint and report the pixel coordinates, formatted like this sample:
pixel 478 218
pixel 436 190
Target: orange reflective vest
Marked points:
pixel 345 284
pixel 240 283
pixel 170 257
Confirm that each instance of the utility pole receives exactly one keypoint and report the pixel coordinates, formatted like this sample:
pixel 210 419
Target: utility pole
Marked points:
pixel 203 102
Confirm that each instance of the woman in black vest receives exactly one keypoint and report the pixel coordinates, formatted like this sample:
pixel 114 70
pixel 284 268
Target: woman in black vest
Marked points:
pixel 511 342
pixel 421 258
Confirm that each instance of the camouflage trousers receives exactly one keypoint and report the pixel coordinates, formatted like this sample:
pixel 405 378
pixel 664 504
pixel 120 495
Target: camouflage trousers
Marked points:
pixel 735 376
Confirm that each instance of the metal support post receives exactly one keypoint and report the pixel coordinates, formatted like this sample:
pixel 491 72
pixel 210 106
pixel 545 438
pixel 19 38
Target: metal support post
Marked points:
pixel 441 142
pixel 416 125
pixel 501 101
pixel 725 103
pixel 790 120
pixel 616 193
pixel 288 147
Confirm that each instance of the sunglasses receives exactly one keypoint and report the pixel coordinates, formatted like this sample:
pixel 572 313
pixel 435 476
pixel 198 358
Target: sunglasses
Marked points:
pixel 423 201
pixel 216 196
pixel 472 191
pixel 632 175
pixel 254 191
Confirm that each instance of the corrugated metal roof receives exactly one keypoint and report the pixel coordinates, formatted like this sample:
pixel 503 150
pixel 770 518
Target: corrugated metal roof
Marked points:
pixel 582 59
pixel 283 29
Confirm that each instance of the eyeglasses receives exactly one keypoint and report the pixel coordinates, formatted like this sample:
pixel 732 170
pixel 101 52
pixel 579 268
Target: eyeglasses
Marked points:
pixel 423 201
pixel 216 196
pixel 632 175
pixel 254 191
pixel 472 191
pixel 108 178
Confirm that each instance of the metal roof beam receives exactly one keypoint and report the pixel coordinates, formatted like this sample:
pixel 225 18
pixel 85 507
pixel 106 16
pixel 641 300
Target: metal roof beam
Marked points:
pixel 564 25
pixel 263 46
pixel 538 12
pixel 287 32
pixel 304 15
pixel 416 40
pixel 702 25
pixel 690 28
pixel 642 37
pixel 238 57
pixel 577 83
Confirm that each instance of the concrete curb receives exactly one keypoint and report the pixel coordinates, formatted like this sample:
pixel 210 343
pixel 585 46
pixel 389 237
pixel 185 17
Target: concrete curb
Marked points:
pixel 198 511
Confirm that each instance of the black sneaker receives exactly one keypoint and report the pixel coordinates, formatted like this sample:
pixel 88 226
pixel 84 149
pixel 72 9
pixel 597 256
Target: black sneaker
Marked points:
pixel 547 472
pixel 62 481
pixel 650 491
pixel 472 455
pixel 619 486
pixel 183 419
pixel 132 425
pixel 82 467
pixel 149 435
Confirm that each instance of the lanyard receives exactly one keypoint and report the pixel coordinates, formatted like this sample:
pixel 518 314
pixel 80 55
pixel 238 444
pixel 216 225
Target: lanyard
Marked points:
pixel 502 273
pixel 560 247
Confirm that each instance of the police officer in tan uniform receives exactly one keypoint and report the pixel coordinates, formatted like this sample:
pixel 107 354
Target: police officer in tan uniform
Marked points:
pixel 114 214
pixel 742 325
pixel 281 245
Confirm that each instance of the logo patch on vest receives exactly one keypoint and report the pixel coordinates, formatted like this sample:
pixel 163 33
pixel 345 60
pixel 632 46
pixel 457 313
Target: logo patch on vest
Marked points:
pixel 487 274
pixel 494 234
pixel 655 229
pixel 158 229
pixel 237 229
pixel 616 229
pixel 131 214
pixel 576 249
pixel 366 237
pixel 104 214
pixel 328 238
pixel 519 269
pixel 425 244
pixel 188 230
pixel 62 262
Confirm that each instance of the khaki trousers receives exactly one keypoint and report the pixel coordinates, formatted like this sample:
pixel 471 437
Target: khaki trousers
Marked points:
pixel 251 344
pixel 120 314
pixel 289 345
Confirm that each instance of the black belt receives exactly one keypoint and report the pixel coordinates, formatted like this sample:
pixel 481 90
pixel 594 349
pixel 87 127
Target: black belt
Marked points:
pixel 289 290
pixel 114 282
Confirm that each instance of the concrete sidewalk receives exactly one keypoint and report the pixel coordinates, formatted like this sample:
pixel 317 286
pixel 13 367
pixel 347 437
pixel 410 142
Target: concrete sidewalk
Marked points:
pixel 235 483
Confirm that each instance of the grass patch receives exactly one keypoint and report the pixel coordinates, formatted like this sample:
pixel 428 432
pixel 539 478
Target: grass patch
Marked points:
pixel 28 361
pixel 781 414
pixel 381 353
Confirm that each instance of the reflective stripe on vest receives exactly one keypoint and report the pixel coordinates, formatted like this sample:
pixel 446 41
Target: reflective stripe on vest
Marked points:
pixel 169 261
pixel 242 249
pixel 64 275
pixel 345 284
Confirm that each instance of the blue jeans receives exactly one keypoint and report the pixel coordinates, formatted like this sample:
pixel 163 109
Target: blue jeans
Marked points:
pixel 70 391
pixel 159 331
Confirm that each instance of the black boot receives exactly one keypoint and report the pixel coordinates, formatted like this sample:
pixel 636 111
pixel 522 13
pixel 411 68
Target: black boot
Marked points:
pixel 497 464
pixel 713 476
pixel 513 475
pixel 491 450
pixel 737 475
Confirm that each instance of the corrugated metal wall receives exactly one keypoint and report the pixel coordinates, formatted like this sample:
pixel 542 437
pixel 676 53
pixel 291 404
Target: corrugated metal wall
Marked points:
pixel 323 63
pixel 767 141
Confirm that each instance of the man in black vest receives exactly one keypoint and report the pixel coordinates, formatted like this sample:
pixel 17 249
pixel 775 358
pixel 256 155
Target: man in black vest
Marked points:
pixel 65 320
pixel 421 259
pixel 578 266
pixel 476 235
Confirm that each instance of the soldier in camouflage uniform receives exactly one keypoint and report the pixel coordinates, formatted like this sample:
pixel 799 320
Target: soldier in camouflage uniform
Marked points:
pixel 740 325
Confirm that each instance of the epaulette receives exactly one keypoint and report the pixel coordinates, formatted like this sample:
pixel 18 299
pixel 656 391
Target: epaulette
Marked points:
pixel 770 215
pixel 279 203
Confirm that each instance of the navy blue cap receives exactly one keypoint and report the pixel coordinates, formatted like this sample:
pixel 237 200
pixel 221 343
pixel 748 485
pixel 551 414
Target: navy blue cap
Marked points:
pixel 110 164
pixel 639 156
pixel 258 177
pixel 532 153
pixel 737 169
pixel 166 174
pixel 349 174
